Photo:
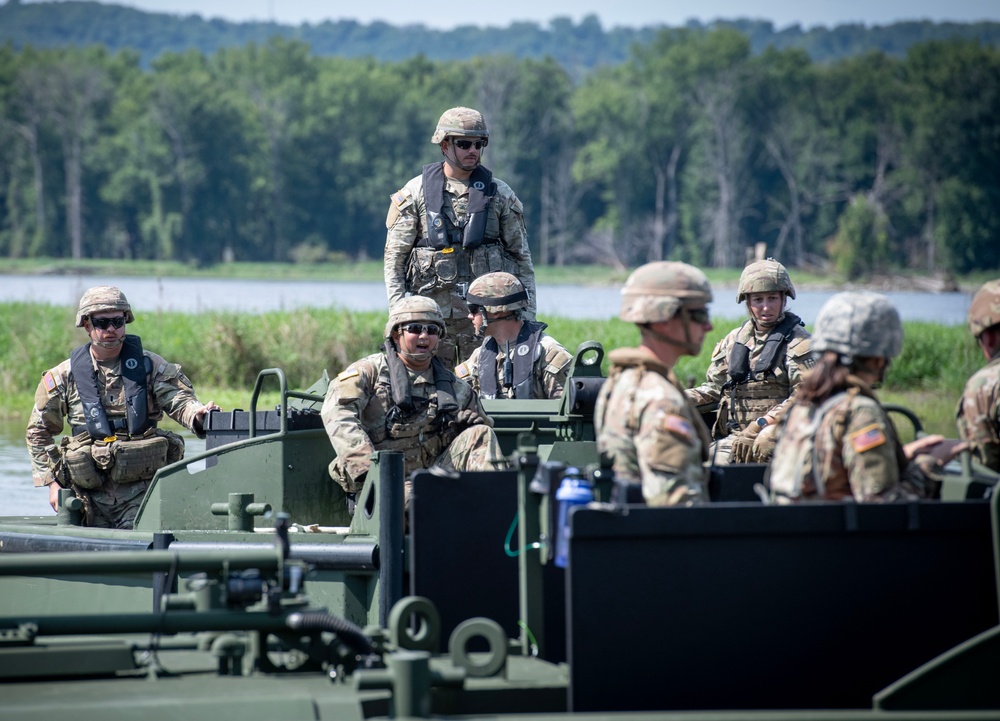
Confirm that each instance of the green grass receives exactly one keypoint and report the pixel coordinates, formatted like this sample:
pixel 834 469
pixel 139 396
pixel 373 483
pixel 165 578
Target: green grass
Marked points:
pixel 222 353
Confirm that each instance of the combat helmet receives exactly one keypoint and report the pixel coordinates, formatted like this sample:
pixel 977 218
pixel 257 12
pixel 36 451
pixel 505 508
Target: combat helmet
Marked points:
pixel 100 299
pixel 656 291
pixel 464 122
pixel 497 293
pixel 414 309
pixel 764 276
pixel 858 324
pixel 984 312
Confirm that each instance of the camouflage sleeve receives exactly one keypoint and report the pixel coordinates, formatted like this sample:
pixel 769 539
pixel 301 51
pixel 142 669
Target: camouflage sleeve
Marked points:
pixel 346 398
pixel 468 370
pixel 709 392
pixel 403 227
pixel 471 405
pixel 668 450
pixel 45 423
pixel 979 415
pixel 554 364
pixel 515 238
pixel 870 453
pixel 174 394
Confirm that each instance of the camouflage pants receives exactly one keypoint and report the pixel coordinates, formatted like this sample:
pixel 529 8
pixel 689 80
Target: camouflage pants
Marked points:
pixel 113 505
pixel 458 345
pixel 477 448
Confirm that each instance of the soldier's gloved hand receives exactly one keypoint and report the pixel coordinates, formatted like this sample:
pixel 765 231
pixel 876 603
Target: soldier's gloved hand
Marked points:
pixel 465 418
pixel 742 451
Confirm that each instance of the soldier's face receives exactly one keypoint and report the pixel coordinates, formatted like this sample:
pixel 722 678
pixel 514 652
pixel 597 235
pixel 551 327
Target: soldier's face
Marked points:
pixel 416 349
pixel 107 336
pixel 466 158
pixel 690 328
pixel 765 307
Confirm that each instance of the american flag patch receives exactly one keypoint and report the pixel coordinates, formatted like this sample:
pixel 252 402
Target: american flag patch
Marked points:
pixel 867 438
pixel 399 199
pixel 462 370
pixel 49 380
pixel 677 424
pixel 349 373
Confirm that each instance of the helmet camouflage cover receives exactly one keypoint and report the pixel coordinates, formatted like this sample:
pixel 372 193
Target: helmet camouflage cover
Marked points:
pixel 100 299
pixel 414 309
pixel 656 291
pixel 858 324
pixel 464 122
pixel 764 276
pixel 497 292
pixel 984 312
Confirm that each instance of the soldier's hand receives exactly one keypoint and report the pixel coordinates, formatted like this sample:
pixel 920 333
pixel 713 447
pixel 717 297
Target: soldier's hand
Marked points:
pixel 465 418
pixel 54 496
pixel 936 446
pixel 742 450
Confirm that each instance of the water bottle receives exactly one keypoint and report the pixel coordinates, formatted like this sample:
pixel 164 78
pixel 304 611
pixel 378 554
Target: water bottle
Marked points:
pixel 573 491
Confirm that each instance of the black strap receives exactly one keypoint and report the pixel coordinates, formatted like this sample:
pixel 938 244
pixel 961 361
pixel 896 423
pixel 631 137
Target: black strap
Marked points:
pixel 523 364
pixel 439 230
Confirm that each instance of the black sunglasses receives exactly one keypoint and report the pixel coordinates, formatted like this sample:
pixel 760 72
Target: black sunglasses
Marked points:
pixel 475 309
pixel 698 315
pixel 417 329
pixel 466 144
pixel 105 323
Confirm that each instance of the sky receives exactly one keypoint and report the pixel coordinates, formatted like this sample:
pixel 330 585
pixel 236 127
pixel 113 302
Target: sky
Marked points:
pixel 612 13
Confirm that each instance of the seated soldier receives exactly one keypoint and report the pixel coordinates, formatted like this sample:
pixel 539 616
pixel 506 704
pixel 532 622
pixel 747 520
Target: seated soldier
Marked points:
pixel 979 409
pixel 517 359
pixel 404 399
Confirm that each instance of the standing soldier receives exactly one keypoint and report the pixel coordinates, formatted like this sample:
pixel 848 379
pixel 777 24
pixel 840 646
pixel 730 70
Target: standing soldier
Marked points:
pixel 113 392
pixel 835 440
pixel 517 358
pixel 756 367
pixel 452 224
pixel 979 409
pixel 405 399
pixel 653 434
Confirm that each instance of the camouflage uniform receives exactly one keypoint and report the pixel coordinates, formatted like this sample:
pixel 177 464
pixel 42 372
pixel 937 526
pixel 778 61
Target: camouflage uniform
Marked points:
pixel 413 267
pixel 359 416
pixel 845 447
pixel 551 369
pixel 502 293
pixel 643 421
pixel 978 414
pixel 765 393
pixel 57 398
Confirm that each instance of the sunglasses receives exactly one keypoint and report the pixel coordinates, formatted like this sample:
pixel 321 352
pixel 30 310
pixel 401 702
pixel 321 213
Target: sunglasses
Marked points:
pixel 417 329
pixel 105 323
pixel 475 309
pixel 466 144
pixel 698 315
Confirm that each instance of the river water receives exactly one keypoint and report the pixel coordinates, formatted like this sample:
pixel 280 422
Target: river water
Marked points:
pixel 189 295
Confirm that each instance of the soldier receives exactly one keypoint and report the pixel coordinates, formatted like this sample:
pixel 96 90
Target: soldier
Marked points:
pixel 535 367
pixel 405 399
pixel 979 409
pixel 756 367
pixel 653 434
pixel 452 224
pixel 113 392
pixel 835 441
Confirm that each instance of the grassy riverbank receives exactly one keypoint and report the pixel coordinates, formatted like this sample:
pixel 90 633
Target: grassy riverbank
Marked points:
pixel 222 352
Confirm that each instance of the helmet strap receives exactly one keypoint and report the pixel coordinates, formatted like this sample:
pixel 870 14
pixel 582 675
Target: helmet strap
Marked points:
pixel 685 345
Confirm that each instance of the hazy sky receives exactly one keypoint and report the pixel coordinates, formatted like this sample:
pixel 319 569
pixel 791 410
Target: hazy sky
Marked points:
pixel 634 13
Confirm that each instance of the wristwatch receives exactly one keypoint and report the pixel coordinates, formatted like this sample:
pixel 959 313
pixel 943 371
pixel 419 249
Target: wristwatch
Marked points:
pixel 762 422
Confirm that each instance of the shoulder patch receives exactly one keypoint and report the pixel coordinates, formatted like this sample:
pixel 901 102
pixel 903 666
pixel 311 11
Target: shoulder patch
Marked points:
pixel 349 373
pixel 677 425
pixel 867 438
pixel 462 370
pixel 49 381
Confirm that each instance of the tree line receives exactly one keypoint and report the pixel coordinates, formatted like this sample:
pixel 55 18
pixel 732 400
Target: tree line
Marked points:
pixel 694 148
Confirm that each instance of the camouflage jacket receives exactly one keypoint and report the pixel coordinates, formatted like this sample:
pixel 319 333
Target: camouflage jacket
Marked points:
pixel 979 414
pixel 57 398
pixel 551 368
pixel 651 431
pixel 844 448
pixel 426 271
pixel 354 415
pixel 764 394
